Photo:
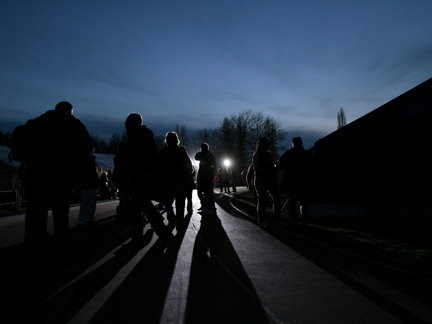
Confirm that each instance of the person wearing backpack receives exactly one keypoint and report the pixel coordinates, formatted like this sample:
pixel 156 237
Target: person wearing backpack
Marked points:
pixel 54 143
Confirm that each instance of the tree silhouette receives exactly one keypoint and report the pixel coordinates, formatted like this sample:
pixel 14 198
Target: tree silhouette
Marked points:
pixel 341 119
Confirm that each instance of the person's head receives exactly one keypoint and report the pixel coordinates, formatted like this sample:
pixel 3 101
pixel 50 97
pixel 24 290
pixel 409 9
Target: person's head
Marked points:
pixel 205 147
pixel 171 139
pixel 133 120
pixel 264 143
pixel 65 107
pixel 297 142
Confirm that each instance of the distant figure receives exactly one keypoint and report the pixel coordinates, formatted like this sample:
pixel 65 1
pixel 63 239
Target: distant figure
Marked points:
pixel 206 173
pixel 220 179
pixel 231 180
pixel 266 183
pixel 176 174
pixel 111 185
pixel 121 178
pixel 88 182
pixel 295 162
pixel 57 141
pixel 250 181
pixel 103 186
pixel 141 173
pixel 225 180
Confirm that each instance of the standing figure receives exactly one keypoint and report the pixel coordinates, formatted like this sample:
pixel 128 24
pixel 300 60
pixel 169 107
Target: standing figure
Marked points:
pixel 220 179
pixel 266 183
pixel 141 164
pixel 56 141
pixel 206 173
pixel 88 181
pixel 121 178
pixel 295 162
pixel 250 181
pixel 225 180
pixel 176 174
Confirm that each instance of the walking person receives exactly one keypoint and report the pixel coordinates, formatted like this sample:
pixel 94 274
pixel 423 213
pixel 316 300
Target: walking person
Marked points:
pixel 206 173
pixel 141 173
pixel 295 162
pixel 266 183
pixel 176 174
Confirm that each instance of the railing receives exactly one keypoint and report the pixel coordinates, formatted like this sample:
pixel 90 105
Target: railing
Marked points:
pixel 11 198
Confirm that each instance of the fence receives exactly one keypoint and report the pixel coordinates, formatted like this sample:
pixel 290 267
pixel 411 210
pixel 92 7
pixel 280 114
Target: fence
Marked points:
pixel 12 199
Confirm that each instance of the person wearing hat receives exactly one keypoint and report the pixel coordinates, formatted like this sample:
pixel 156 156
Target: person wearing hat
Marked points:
pixel 266 183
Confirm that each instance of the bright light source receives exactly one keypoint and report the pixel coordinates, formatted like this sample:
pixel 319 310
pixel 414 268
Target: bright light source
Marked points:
pixel 227 163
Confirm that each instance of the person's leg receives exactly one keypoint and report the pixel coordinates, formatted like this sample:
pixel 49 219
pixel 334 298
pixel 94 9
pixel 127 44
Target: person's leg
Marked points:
pixel 86 208
pixel 180 206
pixel 155 218
pixel 168 203
pixel 262 195
pixel 36 218
pixel 200 188
pixel 60 211
pixel 208 196
pixel 136 219
pixel 292 204
pixel 304 206
pixel 189 201
pixel 274 192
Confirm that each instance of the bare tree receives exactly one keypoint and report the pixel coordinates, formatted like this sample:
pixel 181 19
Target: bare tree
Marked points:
pixel 238 135
pixel 341 119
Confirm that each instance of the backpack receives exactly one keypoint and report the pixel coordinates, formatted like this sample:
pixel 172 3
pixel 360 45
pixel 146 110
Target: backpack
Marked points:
pixel 20 143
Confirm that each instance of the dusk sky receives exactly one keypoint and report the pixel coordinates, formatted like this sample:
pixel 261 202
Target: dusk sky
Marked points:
pixel 193 63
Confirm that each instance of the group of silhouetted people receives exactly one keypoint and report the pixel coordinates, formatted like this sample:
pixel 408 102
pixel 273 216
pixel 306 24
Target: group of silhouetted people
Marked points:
pixel 262 178
pixel 58 142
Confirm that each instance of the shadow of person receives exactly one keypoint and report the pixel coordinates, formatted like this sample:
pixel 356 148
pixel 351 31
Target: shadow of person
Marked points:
pixel 63 290
pixel 141 297
pixel 220 290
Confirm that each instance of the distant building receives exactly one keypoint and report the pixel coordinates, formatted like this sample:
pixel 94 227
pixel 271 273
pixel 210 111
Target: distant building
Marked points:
pixel 382 160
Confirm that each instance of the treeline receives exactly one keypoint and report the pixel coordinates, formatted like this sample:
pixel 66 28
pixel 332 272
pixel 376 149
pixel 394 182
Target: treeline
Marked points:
pixel 235 138
pixel 4 138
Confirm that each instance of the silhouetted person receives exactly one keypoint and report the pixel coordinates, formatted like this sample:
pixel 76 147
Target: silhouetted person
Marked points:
pixel 266 182
pixel 103 184
pixel 111 185
pixel 57 141
pixel 220 179
pixel 141 171
pixel 88 183
pixel 225 180
pixel 176 174
pixel 250 181
pixel 121 178
pixel 295 162
pixel 206 173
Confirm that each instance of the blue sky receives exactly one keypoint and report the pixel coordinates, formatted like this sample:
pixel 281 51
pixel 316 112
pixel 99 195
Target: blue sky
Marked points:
pixel 194 62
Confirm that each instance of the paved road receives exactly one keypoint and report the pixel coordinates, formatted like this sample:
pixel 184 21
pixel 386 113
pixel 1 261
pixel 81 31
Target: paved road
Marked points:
pixel 221 269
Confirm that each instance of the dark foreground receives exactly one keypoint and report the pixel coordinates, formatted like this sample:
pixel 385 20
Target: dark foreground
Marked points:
pixel 219 269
